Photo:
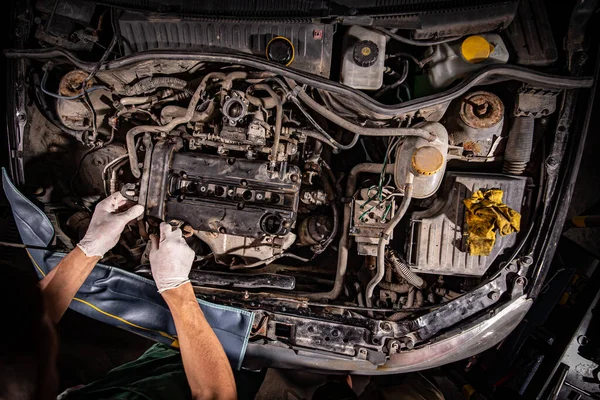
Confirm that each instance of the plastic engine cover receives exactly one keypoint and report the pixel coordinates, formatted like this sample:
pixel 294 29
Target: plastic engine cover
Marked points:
pixel 437 234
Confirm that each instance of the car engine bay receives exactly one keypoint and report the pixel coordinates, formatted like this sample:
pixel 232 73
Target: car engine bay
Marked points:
pixel 319 170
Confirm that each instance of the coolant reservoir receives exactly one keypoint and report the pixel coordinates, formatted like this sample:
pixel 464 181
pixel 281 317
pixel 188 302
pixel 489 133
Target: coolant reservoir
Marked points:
pixel 364 58
pixel 425 160
pixel 456 59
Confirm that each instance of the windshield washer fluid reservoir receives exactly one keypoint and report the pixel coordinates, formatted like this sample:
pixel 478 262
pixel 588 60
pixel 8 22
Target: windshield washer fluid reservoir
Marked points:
pixel 364 58
pixel 426 160
pixel 454 60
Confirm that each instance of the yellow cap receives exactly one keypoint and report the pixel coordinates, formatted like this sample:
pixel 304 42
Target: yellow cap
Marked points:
pixel 476 49
pixel 427 160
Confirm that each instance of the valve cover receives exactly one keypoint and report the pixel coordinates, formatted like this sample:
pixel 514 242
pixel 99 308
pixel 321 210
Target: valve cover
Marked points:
pixel 225 195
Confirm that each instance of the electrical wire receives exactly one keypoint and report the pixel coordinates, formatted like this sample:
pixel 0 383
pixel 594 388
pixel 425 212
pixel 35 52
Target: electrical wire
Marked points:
pixel 58 96
pixel 394 85
pixel 420 63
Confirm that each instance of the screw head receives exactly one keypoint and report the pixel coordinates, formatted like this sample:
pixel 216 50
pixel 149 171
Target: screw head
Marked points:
pixel 494 296
pixel 520 281
pixel 386 326
pixel 527 260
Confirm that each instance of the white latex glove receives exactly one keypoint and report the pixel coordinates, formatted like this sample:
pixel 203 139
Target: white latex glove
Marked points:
pixel 170 258
pixel 107 224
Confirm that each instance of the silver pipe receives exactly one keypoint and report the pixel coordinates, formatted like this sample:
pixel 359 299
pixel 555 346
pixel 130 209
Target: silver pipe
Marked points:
pixel 384 239
pixel 344 244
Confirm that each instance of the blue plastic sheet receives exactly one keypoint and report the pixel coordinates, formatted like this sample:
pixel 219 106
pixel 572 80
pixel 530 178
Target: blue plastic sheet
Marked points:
pixel 121 298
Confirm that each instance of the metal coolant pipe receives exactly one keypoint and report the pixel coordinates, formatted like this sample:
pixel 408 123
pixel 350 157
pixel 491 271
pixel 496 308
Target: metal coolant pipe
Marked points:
pixel 384 239
pixel 344 244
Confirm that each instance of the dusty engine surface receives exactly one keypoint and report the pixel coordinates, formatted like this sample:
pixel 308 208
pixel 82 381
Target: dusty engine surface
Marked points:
pixel 224 194
pixel 362 178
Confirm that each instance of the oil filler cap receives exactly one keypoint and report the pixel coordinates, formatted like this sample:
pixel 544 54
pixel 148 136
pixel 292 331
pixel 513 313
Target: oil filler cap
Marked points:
pixel 427 160
pixel 281 50
pixel 476 49
pixel 365 53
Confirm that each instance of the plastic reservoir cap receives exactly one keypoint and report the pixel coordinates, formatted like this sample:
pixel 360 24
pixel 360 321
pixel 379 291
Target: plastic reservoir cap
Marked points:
pixel 427 160
pixel 281 50
pixel 365 53
pixel 476 49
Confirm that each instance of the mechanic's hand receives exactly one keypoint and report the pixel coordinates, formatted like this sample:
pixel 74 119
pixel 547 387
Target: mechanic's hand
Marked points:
pixel 107 224
pixel 170 258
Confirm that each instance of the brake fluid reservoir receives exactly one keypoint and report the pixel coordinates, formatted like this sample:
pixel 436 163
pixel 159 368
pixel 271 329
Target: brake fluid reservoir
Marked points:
pixel 364 58
pixel 453 60
pixel 426 160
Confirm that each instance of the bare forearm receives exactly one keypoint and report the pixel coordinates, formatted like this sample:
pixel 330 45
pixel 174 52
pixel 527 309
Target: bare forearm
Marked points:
pixel 206 365
pixel 61 284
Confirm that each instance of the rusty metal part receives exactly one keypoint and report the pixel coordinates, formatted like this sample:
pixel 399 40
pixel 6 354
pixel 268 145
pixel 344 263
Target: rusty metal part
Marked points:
pixel 71 83
pixel 481 110
pixel 475 121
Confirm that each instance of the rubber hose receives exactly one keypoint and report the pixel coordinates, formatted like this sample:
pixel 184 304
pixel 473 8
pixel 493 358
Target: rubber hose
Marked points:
pixel 169 112
pixel 519 146
pixel 278 119
pixel 395 287
pixel 412 42
pixel 410 301
pixel 419 299
pixel 404 271
pixel 328 140
pixel 149 85
pixel 265 102
pixel 496 73
pixel 344 243
pixel 132 133
pixel 359 299
pixel 383 240
pixel 360 130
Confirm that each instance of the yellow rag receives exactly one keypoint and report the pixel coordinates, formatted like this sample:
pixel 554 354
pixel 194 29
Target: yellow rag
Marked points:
pixel 485 215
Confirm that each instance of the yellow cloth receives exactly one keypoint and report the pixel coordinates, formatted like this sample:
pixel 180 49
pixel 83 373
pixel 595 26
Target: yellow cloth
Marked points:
pixel 485 215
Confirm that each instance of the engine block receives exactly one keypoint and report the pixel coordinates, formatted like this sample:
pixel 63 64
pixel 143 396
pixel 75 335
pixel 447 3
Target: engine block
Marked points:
pixel 224 195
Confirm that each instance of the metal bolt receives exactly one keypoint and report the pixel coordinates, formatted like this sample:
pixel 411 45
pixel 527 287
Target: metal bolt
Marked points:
pixel 552 162
pixel 386 326
pixel 294 178
pixel 259 196
pixel 409 343
pixel 393 346
pixel 583 340
pixel 494 296
pixel 527 260
pixel 521 281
